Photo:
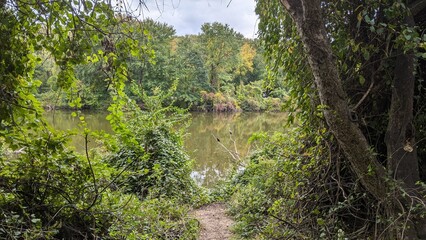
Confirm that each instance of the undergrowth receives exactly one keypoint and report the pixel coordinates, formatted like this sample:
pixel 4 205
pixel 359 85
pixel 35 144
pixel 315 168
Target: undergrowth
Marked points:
pixel 297 185
pixel 137 185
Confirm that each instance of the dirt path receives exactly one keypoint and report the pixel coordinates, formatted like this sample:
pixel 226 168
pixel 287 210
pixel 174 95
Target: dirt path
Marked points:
pixel 214 223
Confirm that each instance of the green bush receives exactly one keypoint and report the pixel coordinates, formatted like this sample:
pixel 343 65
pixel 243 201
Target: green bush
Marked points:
pixel 159 169
pixel 251 98
pixel 274 104
pixel 287 192
pixel 48 191
pixel 297 186
pixel 270 177
pixel 218 102
pixel 137 186
pixel 153 219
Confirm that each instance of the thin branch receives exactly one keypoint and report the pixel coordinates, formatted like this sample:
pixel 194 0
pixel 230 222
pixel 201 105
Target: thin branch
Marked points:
pixel 417 6
pixel 284 221
pixel 230 1
pixel 118 175
pixel 364 96
pixel 235 144
pixel 92 172
pixel 233 154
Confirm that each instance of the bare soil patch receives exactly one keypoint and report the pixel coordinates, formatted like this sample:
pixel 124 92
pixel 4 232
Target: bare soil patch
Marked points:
pixel 214 223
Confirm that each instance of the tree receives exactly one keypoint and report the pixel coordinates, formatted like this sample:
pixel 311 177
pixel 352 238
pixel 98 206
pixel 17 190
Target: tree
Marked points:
pixel 402 159
pixel 245 63
pixel 190 71
pixel 220 48
pixel 154 69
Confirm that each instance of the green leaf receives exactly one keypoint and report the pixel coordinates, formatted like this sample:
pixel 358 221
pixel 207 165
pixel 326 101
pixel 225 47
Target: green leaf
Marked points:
pixel 361 80
pixel 366 54
pixel 407 36
pixel 367 19
pixel 88 4
pixel 35 220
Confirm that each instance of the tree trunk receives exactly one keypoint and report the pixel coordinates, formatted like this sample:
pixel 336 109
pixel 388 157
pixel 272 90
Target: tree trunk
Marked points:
pixel 309 22
pixel 308 19
pixel 214 79
pixel 400 134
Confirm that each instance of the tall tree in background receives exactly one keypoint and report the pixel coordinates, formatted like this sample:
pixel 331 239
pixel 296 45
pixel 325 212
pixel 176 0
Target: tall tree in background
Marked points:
pixel 221 46
pixel 190 71
pixel 158 71
pixel 245 63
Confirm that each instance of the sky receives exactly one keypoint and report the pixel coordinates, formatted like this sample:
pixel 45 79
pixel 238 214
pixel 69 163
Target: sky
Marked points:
pixel 187 16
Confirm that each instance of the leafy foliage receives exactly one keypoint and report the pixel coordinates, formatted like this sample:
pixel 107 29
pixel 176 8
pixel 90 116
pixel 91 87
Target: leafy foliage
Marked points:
pixel 48 191
pixel 195 62
pixel 155 165
pixel 304 185
pixel 291 189
pixel 220 50
pixel 154 219
pixel 287 66
pixel 217 102
pixel 252 98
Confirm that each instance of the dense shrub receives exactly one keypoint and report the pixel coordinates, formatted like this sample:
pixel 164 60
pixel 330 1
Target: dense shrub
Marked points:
pixel 136 186
pixel 217 102
pixel 248 98
pixel 251 97
pixel 274 104
pixel 160 168
pixel 48 191
pixel 296 187
pixel 158 218
pixel 270 177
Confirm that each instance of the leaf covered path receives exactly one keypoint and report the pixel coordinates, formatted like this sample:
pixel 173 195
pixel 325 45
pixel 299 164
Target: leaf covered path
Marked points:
pixel 214 223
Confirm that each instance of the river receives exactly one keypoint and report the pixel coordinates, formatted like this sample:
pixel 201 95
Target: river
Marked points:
pixel 211 159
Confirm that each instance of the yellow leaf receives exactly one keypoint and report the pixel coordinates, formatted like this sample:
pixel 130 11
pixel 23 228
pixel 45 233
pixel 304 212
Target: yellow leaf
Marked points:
pixel 359 17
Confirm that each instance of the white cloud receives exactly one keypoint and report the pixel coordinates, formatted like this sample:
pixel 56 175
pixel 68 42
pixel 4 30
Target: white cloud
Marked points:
pixel 187 16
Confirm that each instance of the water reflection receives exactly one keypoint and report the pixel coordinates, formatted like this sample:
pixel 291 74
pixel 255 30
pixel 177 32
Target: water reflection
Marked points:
pixel 211 161
pixel 62 120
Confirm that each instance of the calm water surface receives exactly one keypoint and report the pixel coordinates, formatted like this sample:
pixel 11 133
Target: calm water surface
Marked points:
pixel 211 160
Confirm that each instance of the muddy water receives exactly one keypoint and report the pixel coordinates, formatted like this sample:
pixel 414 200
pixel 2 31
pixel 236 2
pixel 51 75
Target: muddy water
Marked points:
pixel 212 159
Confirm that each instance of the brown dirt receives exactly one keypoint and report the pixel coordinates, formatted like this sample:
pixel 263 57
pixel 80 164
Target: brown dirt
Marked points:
pixel 214 223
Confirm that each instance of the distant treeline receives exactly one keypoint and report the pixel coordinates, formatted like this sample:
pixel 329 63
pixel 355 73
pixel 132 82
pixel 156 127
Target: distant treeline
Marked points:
pixel 216 70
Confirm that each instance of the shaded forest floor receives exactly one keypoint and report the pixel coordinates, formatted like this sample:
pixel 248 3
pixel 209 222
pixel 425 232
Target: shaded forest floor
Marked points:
pixel 214 223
